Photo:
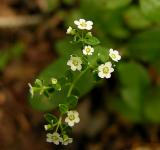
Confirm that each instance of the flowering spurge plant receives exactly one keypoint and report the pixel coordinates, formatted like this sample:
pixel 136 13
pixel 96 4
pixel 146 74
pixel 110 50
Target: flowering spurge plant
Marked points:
pixel 91 58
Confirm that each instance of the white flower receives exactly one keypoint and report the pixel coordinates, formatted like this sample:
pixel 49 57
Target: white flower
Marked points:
pixel 54 80
pixel 83 24
pixel 55 138
pixel 66 140
pixel 75 63
pixel 70 30
pixel 47 127
pixel 114 54
pixel 105 70
pixel 88 50
pixel 72 118
pixel 31 89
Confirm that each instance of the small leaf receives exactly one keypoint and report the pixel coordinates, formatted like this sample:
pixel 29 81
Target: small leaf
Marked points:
pixel 63 108
pixel 92 40
pixel 50 118
pixel 72 101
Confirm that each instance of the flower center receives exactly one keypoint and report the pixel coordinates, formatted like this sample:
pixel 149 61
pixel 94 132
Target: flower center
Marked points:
pixel 71 117
pixel 83 24
pixel 88 50
pixel 75 62
pixel 55 138
pixel 105 70
pixel 113 56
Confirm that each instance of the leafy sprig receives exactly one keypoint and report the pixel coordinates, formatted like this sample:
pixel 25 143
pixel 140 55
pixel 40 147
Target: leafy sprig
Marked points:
pixel 88 60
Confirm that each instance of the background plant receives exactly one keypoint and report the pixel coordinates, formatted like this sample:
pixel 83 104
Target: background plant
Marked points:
pixel 132 27
pixel 95 62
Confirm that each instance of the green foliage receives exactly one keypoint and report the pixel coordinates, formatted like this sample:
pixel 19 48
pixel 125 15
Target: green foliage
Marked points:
pixel 132 89
pixel 135 19
pixel 72 101
pixel 151 9
pixel 63 108
pixel 145 45
pixel 152 105
pixel 115 4
pixel 50 118
pixel 134 29
pixel 91 40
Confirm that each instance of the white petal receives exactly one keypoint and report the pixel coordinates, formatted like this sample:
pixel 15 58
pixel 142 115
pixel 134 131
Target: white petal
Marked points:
pixel 84 52
pixel 101 74
pixel 108 64
pixel 100 68
pixel 56 142
pixel 119 57
pixel 79 67
pixel 108 76
pixel 70 113
pixel 82 20
pixel 111 70
pixel 76 113
pixel 49 140
pixel 73 68
pixel 56 134
pixel 77 120
pixel 90 23
pixel 76 22
pixel 69 62
pixel 71 123
pixel 116 52
pixel 92 49
pixel 89 27
pixel 111 50
pixel 81 27
pixel 67 120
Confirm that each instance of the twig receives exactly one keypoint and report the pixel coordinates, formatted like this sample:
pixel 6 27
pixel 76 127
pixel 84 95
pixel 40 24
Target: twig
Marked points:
pixel 19 21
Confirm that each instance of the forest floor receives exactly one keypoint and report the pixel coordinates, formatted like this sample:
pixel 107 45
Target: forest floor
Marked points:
pixel 21 127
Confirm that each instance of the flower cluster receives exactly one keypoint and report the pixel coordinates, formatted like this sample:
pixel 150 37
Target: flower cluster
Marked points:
pixel 60 136
pixel 105 69
pixel 91 58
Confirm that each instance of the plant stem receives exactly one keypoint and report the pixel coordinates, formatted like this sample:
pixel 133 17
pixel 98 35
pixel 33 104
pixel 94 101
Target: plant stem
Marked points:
pixel 59 122
pixel 75 81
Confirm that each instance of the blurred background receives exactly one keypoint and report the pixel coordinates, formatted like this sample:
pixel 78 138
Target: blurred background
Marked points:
pixel 123 113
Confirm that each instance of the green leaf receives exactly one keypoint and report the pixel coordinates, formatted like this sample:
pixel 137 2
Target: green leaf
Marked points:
pixel 133 89
pixel 91 40
pixel 100 53
pixel 50 118
pixel 58 69
pixel 152 105
pixel 72 101
pixel 115 4
pixel 63 108
pixel 139 21
pixel 66 48
pixel 151 8
pixel 145 46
